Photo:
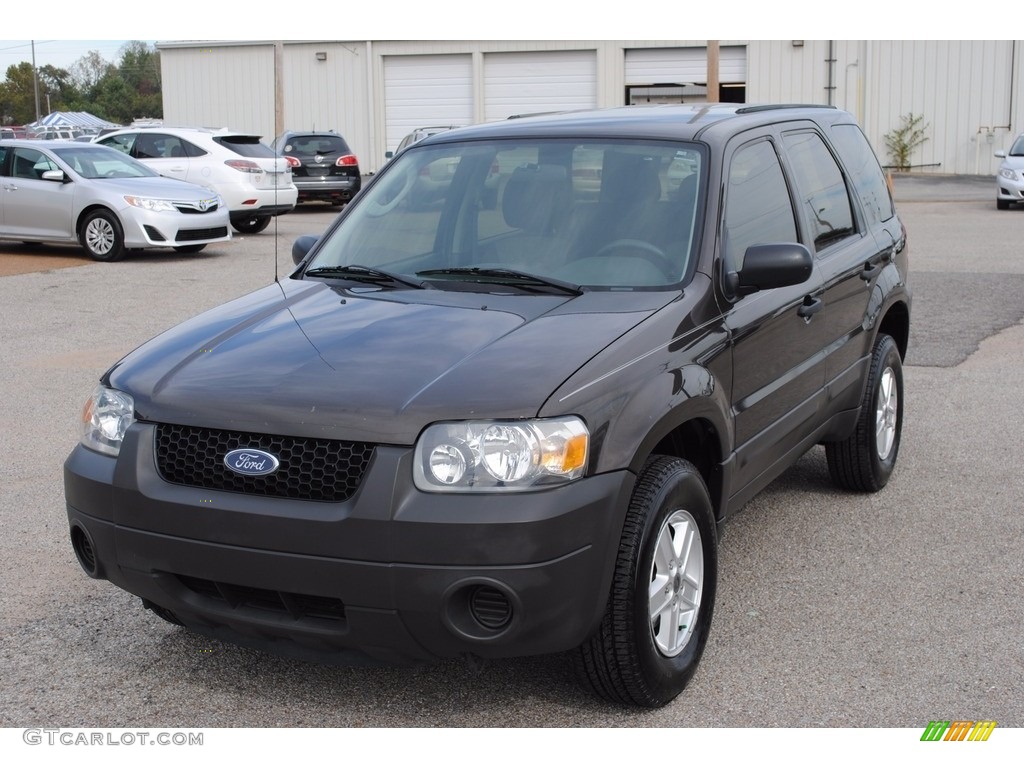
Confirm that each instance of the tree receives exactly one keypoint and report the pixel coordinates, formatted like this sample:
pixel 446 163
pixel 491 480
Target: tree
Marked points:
pixel 89 70
pixel 17 95
pixel 902 141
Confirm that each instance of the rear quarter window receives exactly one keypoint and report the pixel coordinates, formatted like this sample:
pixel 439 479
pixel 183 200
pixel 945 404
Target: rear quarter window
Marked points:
pixel 865 172
pixel 246 146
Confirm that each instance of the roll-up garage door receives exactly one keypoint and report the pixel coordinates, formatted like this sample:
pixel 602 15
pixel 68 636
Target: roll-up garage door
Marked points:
pixel 538 81
pixel 653 66
pixel 421 91
pixel 679 75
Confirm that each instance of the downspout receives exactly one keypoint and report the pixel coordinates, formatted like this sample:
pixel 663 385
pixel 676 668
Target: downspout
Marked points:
pixel 830 62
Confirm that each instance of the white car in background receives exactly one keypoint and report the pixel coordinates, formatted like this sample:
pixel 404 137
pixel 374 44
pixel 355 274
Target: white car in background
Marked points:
pixel 1010 178
pixel 66 192
pixel 254 182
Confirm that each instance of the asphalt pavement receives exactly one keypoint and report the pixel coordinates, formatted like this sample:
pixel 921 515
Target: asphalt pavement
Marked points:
pixel 834 609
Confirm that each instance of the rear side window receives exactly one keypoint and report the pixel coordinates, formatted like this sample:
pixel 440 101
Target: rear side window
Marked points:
pixel 246 146
pixel 864 171
pixel 122 142
pixel 820 188
pixel 757 206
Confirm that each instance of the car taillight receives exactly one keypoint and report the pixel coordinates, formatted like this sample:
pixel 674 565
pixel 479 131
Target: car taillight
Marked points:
pixel 245 166
pixel 293 162
pixel 347 160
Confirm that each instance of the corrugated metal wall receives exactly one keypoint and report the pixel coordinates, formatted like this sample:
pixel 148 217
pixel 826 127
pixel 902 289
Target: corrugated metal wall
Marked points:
pixel 964 89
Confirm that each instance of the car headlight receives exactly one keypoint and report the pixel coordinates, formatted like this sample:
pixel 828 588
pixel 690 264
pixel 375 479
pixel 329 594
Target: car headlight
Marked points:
pixel 149 203
pixel 1008 173
pixel 466 456
pixel 105 420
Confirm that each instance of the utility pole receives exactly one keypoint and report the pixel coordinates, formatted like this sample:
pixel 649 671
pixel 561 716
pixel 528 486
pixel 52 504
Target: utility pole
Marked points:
pixel 35 79
pixel 712 71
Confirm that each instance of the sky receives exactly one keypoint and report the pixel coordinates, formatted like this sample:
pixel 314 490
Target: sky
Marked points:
pixel 59 53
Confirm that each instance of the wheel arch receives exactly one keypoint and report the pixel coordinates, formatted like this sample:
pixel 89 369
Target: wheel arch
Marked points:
pixel 693 438
pixel 91 209
pixel 896 323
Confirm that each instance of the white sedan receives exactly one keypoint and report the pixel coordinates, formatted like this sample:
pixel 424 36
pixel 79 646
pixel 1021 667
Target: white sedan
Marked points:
pixel 65 192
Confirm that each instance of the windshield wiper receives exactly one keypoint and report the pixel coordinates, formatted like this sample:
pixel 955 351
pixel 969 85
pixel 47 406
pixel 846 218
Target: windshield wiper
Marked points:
pixel 364 274
pixel 502 276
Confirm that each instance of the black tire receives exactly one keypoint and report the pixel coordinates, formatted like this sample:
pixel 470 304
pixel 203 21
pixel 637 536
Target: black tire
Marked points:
pixel 634 658
pixel 101 236
pixel 865 460
pixel 251 225
pixel 196 248
pixel 1002 205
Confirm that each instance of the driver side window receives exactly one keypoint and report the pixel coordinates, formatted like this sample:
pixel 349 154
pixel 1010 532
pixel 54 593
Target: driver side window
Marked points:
pixel 758 208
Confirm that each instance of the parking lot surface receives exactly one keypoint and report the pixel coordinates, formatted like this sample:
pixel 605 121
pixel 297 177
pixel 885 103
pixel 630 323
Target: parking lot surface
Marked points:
pixel 834 609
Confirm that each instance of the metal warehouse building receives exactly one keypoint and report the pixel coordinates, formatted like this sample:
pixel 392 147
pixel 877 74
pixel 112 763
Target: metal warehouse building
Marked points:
pixel 375 92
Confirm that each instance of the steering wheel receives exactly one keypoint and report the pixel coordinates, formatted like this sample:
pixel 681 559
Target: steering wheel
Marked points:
pixel 398 187
pixel 645 250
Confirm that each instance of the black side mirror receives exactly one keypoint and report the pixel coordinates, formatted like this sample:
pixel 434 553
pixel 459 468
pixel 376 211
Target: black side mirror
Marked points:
pixel 774 265
pixel 302 246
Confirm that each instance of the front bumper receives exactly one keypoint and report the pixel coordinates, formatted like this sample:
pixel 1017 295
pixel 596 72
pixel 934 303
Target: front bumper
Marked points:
pixel 1010 190
pixel 166 229
pixel 393 573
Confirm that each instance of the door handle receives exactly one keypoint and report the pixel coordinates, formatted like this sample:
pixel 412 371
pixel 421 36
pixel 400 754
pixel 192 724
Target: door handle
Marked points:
pixel 810 306
pixel 870 271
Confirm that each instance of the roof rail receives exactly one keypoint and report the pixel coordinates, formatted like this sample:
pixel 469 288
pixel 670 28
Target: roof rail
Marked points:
pixel 768 107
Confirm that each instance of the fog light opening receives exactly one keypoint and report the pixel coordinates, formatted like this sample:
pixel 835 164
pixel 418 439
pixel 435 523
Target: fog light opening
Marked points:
pixel 490 607
pixel 81 542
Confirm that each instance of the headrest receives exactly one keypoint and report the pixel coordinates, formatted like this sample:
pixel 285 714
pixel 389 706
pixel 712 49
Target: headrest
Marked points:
pixel 536 197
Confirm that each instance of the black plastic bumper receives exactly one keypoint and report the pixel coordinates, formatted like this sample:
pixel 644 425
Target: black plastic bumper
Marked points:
pixel 393 573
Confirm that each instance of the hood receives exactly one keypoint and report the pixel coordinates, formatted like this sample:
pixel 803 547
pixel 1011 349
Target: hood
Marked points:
pixel 364 363
pixel 155 186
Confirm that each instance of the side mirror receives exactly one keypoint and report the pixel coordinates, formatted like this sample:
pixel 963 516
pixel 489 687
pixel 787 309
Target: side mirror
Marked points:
pixel 388 155
pixel 1000 153
pixel 774 265
pixel 53 176
pixel 302 246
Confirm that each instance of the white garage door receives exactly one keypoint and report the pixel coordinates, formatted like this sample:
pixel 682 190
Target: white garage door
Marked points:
pixel 650 66
pixel 538 81
pixel 421 91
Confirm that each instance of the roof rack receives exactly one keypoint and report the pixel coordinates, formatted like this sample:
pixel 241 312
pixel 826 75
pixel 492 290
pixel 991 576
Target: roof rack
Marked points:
pixel 768 107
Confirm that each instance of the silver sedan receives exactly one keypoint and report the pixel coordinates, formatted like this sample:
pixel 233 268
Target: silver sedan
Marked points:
pixel 61 192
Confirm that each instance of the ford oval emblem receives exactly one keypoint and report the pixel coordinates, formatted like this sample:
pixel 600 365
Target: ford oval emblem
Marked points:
pixel 251 461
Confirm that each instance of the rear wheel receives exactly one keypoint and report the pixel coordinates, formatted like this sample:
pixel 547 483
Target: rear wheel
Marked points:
pixel 865 460
pixel 658 617
pixel 101 236
pixel 251 225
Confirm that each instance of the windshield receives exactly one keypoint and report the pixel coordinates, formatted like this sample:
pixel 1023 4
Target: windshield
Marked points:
pixel 594 214
pixel 102 163
pixel 1018 147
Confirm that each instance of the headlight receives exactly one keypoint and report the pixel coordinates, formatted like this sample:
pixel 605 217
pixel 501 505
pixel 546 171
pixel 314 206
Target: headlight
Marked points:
pixel 500 455
pixel 149 203
pixel 105 419
pixel 1007 173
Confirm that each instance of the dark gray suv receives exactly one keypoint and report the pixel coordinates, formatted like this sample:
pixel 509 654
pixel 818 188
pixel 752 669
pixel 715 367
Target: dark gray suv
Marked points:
pixel 518 427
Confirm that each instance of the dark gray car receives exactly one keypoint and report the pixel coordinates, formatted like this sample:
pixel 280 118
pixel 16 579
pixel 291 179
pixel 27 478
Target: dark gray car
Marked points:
pixel 461 429
pixel 323 167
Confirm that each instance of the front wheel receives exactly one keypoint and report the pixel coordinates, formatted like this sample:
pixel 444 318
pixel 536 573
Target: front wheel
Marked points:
pixel 658 616
pixel 101 236
pixel 251 225
pixel 865 460
pixel 1002 205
